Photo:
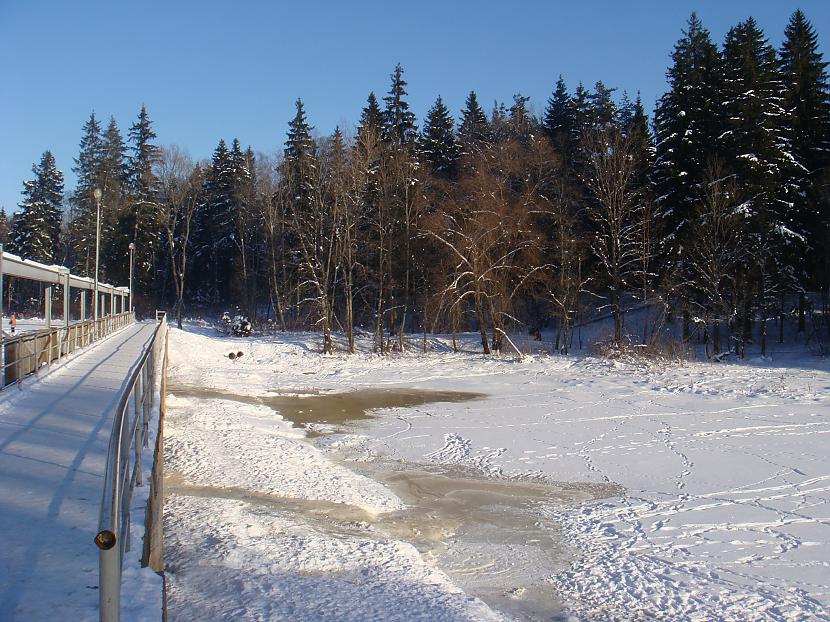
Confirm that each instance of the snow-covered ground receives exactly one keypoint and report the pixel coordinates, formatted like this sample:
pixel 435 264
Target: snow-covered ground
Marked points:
pixel 713 486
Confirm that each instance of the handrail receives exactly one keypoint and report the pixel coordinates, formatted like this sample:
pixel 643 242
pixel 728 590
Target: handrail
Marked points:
pixel 113 537
pixel 25 354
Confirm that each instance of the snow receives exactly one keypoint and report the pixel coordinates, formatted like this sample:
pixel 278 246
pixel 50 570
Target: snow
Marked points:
pixel 722 470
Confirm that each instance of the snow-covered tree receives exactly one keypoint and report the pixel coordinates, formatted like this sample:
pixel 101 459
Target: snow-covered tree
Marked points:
pixel 35 231
pixel 141 225
pixel 757 144
pixel 82 228
pixel 688 123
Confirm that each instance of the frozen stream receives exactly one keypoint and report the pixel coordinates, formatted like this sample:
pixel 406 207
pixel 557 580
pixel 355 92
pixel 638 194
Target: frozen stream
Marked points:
pixel 486 534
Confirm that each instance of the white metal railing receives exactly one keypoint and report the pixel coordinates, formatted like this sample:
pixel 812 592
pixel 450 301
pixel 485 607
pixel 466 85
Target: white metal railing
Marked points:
pixel 123 472
pixel 27 353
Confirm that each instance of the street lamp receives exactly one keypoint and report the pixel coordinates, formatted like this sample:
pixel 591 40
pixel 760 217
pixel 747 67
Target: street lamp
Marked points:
pixel 97 194
pixel 132 252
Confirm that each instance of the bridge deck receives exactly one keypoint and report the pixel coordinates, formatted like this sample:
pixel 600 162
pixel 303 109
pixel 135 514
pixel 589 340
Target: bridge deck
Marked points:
pixel 53 445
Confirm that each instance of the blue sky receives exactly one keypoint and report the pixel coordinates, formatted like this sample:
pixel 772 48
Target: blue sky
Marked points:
pixel 208 70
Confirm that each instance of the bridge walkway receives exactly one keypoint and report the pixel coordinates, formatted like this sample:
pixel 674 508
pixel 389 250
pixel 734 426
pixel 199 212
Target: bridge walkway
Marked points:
pixel 54 434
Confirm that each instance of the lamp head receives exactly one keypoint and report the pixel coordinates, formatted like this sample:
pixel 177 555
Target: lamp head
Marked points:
pixel 132 246
pixel 97 194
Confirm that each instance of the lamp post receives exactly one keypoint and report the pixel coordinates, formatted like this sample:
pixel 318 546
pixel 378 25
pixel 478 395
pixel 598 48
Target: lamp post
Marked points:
pixel 97 194
pixel 132 253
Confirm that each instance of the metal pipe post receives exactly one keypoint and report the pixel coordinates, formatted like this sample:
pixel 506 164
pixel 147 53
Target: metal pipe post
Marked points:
pixel 109 597
pixel 47 293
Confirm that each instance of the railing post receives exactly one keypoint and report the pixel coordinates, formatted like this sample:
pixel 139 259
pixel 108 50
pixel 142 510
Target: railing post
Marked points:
pixel 110 589
pixel 47 295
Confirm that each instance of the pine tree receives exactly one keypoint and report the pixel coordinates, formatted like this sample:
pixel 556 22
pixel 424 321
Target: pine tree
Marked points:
pixel 36 228
pixel 688 123
pixel 400 129
pixel 474 131
pixel 87 168
pixel 438 146
pixel 807 107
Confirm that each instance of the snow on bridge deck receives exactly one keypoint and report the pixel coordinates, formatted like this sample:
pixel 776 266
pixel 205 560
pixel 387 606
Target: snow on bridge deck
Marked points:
pixel 54 435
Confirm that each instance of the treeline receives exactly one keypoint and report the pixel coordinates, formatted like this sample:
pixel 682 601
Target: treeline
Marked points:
pixel 717 212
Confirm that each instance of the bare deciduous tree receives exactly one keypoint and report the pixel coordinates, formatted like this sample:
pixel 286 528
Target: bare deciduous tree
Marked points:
pixel 180 194
pixel 610 170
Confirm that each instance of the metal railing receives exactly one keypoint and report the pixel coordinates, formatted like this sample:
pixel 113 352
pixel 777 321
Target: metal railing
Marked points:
pixel 28 352
pixel 123 472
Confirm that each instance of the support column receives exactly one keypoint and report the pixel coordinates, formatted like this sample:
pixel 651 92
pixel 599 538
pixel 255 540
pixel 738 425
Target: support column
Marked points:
pixel 83 305
pixel 48 303
pixel 66 292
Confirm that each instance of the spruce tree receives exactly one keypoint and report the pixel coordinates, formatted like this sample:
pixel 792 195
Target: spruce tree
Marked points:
pixel 602 111
pixel 142 217
pixel 756 141
pixel 82 227
pixel 582 113
pixel 214 230
pixel 756 144
pixel 438 146
pixel 36 228
pixel 499 122
pixel 113 179
pixel 521 122
pixel 371 117
pixel 688 123
pixel 559 118
pixel 400 130
pixel 807 110
pixel 300 159
pixel 474 131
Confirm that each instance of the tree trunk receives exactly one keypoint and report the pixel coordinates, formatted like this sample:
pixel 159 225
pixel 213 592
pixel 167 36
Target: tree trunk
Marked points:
pixel 482 327
pixel 802 326
pixel 686 321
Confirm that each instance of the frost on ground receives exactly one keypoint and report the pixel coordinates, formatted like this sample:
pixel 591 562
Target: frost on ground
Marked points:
pixel 725 513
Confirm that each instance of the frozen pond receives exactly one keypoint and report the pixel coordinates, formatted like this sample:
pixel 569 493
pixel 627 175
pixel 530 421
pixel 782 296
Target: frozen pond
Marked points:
pixel 451 510
pixel 488 535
